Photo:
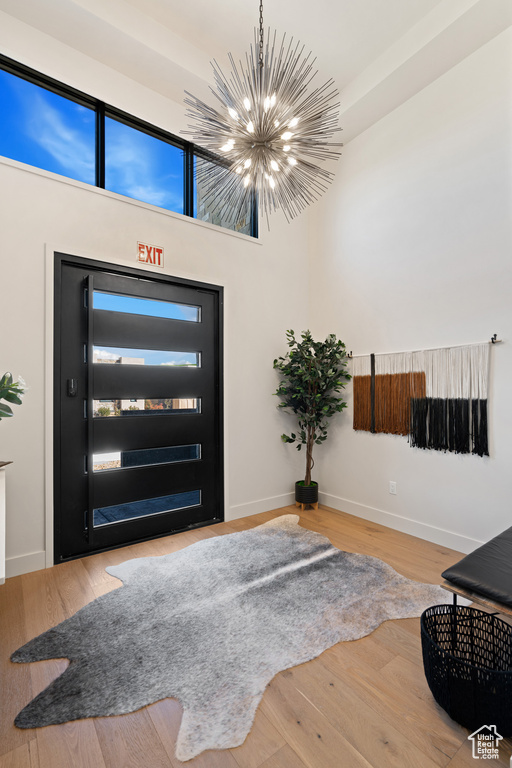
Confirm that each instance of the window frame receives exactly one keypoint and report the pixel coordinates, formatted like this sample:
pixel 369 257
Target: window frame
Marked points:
pixel 103 111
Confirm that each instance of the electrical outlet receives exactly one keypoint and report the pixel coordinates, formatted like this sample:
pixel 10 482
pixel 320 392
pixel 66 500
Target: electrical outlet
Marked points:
pixel 392 487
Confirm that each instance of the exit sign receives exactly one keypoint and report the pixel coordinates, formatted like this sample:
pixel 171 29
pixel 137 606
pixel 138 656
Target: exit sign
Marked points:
pixel 150 254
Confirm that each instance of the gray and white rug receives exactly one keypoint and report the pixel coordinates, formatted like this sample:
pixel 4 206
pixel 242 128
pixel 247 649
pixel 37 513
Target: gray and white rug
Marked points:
pixel 211 625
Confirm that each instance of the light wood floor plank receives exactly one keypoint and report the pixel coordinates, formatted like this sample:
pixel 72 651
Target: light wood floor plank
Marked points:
pixel 33 748
pixel 378 712
pixel 130 741
pixel 369 733
pixel 16 758
pixel 306 729
pixel 286 757
pixel 75 589
pixel 409 676
pixel 69 744
pixel 366 652
pixel 25 756
pixel 43 610
pixel 263 741
pixel 423 722
pixel 15 680
pixel 166 717
pixel 464 757
pixel 402 635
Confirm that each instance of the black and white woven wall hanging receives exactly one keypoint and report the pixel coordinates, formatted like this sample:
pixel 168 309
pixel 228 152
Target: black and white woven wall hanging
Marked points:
pixel 437 397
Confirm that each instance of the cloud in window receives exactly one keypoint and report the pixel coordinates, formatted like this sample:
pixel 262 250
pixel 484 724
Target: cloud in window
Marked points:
pixel 143 167
pixel 60 134
pixel 52 132
pixel 103 354
pixel 182 361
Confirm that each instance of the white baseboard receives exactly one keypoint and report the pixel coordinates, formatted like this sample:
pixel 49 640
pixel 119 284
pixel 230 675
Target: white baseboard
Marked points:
pixel 262 505
pixel 404 524
pixel 16 566
pixel 35 561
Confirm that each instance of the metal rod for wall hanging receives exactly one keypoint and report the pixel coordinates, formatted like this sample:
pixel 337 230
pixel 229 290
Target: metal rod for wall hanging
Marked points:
pixel 494 340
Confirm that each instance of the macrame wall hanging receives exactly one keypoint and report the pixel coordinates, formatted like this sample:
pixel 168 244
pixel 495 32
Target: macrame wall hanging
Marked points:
pixel 437 397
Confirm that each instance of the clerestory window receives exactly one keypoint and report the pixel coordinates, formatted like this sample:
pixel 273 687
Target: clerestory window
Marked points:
pixel 49 125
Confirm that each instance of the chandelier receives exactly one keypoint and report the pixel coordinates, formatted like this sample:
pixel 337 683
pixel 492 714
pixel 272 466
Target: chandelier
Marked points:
pixel 264 139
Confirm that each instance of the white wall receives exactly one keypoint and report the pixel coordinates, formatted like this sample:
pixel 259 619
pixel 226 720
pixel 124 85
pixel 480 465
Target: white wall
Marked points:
pixel 264 295
pixel 411 250
pixel 44 53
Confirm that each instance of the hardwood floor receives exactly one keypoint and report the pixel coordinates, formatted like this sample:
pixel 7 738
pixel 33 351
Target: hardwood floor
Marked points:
pixel 359 705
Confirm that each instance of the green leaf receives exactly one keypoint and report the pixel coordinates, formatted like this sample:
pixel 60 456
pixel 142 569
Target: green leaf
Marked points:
pixel 5 410
pixel 12 398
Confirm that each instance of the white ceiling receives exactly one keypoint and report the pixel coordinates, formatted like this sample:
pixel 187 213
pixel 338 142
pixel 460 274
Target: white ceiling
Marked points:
pixel 379 52
pixel 345 35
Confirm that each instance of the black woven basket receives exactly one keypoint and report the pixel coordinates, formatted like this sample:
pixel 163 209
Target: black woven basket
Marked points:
pixel 467 656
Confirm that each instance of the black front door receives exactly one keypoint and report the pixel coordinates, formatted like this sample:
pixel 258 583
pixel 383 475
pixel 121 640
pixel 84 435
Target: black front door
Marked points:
pixel 138 406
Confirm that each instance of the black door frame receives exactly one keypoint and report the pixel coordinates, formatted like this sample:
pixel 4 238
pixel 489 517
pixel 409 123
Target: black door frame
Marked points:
pixel 125 271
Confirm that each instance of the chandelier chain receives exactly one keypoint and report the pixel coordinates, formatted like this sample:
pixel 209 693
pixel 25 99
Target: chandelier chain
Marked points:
pixel 261 36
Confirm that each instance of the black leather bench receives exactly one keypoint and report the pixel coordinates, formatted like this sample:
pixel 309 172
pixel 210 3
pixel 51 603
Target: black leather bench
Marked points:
pixel 485 575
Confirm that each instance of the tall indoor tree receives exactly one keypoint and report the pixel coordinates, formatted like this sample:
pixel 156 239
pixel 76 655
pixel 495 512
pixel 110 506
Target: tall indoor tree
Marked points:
pixel 313 373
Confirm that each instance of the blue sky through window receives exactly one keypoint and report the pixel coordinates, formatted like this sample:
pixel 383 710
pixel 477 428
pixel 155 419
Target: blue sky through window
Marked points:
pixel 140 166
pixel 136 306
pixel 46 130
pixel 148 356
pixel 43 129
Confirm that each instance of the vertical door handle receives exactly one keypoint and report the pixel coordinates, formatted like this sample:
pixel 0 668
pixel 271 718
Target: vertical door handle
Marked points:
pixel 72 387
pixel 90 408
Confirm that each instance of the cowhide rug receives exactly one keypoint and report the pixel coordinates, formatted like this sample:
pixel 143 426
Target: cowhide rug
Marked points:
pixel 211 625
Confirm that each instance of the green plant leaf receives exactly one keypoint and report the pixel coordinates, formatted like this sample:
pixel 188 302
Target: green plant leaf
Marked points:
pixel 12 398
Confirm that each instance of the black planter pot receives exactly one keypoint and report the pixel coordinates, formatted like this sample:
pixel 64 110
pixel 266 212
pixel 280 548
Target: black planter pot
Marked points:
pixel 306 494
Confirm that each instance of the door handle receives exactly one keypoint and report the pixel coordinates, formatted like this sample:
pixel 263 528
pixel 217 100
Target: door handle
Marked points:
pixel 72 387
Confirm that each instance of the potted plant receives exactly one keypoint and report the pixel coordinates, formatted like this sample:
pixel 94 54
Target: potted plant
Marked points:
pixel 10 391
pixel 313 373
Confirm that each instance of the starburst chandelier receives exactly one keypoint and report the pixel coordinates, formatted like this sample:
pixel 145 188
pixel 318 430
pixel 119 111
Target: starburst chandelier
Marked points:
pixel 267 133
